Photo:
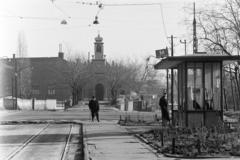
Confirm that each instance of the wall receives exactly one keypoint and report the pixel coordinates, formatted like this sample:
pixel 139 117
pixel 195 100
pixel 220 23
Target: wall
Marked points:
pixel 27 104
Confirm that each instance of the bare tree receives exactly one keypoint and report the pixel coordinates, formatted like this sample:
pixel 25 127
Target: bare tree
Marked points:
pixel 219 33
pixel 24 69
pixel 122 76
pixel 78 74
pixel 21 45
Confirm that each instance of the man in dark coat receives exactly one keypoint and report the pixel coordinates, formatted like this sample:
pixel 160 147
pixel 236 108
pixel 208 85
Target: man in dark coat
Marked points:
pixel 163 104
pixel 94 108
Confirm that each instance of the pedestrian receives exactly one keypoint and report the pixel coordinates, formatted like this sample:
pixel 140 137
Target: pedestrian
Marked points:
pixel 66 104
pixel 163 104
pixel 94 108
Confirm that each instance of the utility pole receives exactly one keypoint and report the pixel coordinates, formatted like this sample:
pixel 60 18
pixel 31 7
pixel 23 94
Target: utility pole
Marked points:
pixel 13 103
pixel 15 79
pixel 172 45
pixel 172 79
pixel 195 41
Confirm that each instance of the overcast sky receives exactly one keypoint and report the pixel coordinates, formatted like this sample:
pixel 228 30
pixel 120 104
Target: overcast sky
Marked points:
pixel 127 31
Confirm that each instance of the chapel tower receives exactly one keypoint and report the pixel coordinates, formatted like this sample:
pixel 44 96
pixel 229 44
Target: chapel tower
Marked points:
pixel 98 47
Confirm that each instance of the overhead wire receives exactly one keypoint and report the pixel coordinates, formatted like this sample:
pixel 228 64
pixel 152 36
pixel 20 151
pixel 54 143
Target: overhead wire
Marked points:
pixel 132 4
pixel 100 6
pixel 60 9
pixel 163 23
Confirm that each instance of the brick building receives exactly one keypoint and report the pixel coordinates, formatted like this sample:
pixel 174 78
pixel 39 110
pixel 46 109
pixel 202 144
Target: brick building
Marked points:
pixel 45 77
pixel 6 78
pixel 37 77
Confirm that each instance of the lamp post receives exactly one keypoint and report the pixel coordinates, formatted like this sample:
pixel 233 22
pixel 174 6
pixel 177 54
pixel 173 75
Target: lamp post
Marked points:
pixel 185 45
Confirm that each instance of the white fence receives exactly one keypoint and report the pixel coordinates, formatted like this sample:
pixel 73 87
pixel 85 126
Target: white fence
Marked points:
pixel 40 105
pixel 30 104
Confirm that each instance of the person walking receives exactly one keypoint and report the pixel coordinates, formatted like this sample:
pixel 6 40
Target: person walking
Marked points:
pixel 163 104
pixel 94 108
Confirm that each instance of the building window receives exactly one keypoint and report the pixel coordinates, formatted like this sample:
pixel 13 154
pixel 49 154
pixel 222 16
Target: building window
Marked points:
pixel 99 48
pixel 195 86
pixel 35 91
pixel 51 91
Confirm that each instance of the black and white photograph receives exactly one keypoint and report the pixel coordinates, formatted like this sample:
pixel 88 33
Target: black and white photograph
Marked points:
pixel 119 79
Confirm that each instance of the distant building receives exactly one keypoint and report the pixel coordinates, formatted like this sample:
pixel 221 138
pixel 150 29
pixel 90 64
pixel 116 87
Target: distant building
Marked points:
pixel 45 77
pixel 38 77
pixel 6 78
pixel 97 85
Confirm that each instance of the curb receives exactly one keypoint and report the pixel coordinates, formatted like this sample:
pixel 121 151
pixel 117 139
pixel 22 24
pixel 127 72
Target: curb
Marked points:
pixel 85 145
pixel 40 122
pixel 155 147
pixel 197 157
pixel 85 149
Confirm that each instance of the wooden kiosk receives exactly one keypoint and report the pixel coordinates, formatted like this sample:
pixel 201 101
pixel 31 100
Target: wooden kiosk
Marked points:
pixel 196 92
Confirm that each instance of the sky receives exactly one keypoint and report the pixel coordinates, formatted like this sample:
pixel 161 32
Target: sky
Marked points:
pixel 129 32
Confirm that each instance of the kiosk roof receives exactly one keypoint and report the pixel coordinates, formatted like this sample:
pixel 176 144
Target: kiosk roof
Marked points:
pixel 172 62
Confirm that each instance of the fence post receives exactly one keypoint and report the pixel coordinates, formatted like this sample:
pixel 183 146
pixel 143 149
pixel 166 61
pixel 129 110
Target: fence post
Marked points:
pixel 162 139
pixel 173 145
pixel 33 103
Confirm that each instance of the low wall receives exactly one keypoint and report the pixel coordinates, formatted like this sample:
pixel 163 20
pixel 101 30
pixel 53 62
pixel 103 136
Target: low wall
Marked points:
pixel 1 103
pixel 8 103
pixel 40 105
pixel 30 104
pixel 51 104
pixel 24 104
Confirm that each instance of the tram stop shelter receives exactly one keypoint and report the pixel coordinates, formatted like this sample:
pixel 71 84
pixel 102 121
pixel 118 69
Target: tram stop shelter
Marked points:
pixel 195 88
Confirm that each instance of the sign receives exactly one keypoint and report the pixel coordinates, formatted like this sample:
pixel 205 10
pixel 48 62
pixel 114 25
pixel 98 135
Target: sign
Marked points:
pixel 162 53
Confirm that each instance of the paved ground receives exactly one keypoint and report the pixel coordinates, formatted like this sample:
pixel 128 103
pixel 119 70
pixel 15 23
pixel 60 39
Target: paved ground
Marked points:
pixel 108 141
pixel 105 140
pixel 38 141
pixel 75 113
pixel 34 141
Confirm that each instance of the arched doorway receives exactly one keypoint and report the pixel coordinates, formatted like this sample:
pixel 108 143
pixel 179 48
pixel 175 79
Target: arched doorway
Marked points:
pixel 99 91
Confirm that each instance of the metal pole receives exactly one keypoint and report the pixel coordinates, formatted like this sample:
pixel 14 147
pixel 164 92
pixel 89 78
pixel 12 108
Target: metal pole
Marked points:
pixel 15 76
pixel 172 80
pixel 13 92
pixel 185 45
pixel 166 92
pixel 172 45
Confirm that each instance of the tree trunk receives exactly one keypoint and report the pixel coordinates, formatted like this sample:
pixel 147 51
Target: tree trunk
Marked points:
pixel 74 96
pixel 114 96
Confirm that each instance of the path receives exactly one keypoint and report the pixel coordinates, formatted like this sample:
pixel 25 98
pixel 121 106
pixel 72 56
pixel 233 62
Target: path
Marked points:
pixel 108 141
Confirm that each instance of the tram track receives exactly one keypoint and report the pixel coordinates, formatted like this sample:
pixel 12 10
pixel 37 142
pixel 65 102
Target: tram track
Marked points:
pixel 65 146
pixel 65 149
pixel 20 148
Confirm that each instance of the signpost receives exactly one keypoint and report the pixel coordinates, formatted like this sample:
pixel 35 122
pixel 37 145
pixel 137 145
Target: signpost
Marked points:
pixel 161 53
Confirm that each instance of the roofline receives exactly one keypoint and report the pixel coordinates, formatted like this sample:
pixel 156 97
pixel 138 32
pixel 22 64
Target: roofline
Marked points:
pixel 172 62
